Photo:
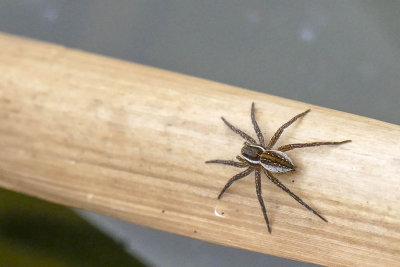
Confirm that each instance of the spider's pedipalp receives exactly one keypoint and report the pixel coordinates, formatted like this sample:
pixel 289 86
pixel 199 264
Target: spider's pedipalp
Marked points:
pixel 229 162
pixel 235 178
pixel 255 125
pixel 284 188
pixel 260 198
pixel 278 133
pixel 293 146
pixel 239 132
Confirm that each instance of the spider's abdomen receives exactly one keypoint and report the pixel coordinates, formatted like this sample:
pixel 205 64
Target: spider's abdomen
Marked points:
pixel 276 161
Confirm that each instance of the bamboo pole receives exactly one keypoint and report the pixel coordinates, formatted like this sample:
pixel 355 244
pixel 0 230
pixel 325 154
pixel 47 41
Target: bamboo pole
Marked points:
pixel 130 141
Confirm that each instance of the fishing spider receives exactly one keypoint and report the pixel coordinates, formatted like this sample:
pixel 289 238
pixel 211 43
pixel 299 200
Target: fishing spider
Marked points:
pixel 261 157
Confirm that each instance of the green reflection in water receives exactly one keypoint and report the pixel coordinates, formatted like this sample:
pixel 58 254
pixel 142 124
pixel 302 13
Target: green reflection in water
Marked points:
pixel 38 233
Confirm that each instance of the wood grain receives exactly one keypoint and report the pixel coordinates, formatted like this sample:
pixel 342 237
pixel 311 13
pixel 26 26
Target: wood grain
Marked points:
pixel 130 141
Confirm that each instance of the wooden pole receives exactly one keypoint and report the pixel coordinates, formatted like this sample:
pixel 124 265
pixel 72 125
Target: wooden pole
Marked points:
pixel 130 141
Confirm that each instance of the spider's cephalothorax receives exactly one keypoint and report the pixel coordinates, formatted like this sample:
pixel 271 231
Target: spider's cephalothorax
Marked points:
pixel 261 157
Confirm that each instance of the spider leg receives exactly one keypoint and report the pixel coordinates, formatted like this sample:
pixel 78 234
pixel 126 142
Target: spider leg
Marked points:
pixel 235 178
pixel 260 198
pixel 293 146
pixel 283 127
pixel 239 132
pixel 229 162
pixel 284 188
pixel 255 125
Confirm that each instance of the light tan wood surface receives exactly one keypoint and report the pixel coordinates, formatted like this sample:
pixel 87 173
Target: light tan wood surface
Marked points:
pixel 130 141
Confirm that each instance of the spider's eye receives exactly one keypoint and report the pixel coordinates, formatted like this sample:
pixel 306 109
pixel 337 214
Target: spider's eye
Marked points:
pixel 251 153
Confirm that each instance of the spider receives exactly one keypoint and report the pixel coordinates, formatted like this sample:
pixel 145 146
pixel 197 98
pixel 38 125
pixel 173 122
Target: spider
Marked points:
pixel 260 157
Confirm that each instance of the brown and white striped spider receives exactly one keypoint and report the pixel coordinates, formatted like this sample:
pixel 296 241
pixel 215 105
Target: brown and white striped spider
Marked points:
pixel 260 157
